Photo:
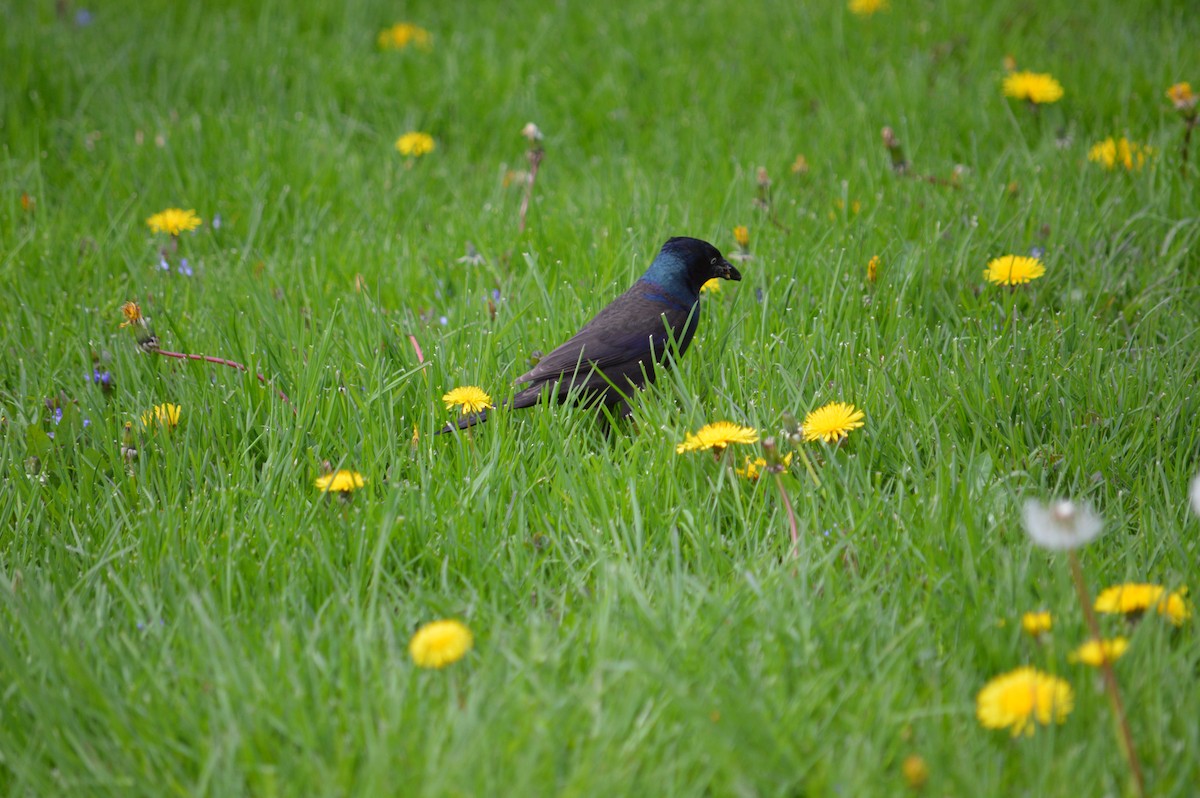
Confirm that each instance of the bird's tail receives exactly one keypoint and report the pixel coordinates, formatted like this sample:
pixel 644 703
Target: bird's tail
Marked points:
pixel 469 420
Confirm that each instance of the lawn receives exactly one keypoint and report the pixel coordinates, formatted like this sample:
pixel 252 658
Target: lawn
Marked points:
pixel 184 612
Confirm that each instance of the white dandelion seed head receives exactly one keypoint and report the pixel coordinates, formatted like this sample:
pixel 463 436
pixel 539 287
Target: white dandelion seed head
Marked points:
pixel 1060 525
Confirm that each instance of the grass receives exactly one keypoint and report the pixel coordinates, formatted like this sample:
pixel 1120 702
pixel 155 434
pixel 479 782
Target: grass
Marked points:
pixel 202 622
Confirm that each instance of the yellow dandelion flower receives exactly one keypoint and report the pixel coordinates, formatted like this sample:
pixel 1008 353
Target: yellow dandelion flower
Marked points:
pixel 414 144
pixel 1182 97
pixel 401 35
pixel 873 268
pixel 1037 623
pixel 173 221
pixel 1022 699
pixel 342 481
pixel 1013 270
pixel 755 465
pixel 915 771
pixel 468 399
pixel 832 422
pixel 865 8
pixel 440 643
pixel 165 415
pixel 1097 652
pixel 1104 153
pixel 712 286
pixel 1135 599
pixel 132 313
pixel 1036 87
pixel 800 165
pixel 1112 153
pixel 717 435
pixel 742 236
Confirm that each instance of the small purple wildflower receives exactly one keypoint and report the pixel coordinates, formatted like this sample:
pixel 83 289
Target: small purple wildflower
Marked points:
pixel 216 221
pixel 163 265
pixel 83 18
pixel 87 422
pixel 57 415
pixel 184 269
pixel 1037 252
pixel 443 320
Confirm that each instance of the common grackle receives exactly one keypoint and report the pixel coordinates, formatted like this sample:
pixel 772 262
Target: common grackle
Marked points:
pixel 618 350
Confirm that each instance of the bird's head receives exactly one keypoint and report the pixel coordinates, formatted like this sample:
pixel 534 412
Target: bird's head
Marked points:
pixel 690 262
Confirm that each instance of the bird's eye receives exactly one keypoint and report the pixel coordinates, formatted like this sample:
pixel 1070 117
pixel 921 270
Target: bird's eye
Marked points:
pixel 712 262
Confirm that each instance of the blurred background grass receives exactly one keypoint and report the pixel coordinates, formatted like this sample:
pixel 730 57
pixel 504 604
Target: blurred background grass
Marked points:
pixel 209 625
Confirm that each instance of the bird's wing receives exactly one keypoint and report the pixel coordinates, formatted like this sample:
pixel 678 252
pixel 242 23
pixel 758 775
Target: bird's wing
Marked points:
pixel 636 327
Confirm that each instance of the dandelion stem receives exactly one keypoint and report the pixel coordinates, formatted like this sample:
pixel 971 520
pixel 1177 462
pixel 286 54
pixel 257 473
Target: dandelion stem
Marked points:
pixel 1187 144
pixel 412 339
pixel 809 467
pixel 1110 679
pixel 535 160
pixel 233 364
pixel 791 514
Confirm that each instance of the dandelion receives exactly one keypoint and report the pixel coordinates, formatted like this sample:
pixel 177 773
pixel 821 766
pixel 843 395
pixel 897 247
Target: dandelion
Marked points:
pixel 717 435
pixel 343 481
pixel 1037 88
pixel 755 465
pixel 415 144
pixel 1183 98
pixel 832 422
pixel 468 399
pixel 1013 270
pixel 1060 525
pixel 132 313
pixel 1112 153
pixel 873 269
pixel 173 221
pixel 1098 652
pixel 440 643
pixel 865 8
pixel 800 165
pixel 1022 699
pixel 129 450
pixel 1036 624
pixel 401 35
pixel 1194 494
pixel 165 415
pixel 742 236
pixel 1134 599
pixel 712 286
pixel 915 771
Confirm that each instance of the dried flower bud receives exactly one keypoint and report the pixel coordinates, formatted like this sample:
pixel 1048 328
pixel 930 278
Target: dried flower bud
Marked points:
pixel 532 133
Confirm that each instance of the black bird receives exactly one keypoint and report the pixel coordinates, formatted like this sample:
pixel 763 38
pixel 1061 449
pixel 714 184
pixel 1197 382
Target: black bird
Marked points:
pixel 618 350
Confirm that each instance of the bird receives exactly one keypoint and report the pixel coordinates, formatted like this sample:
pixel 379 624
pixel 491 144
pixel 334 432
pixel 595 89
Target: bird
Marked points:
pixel 621 348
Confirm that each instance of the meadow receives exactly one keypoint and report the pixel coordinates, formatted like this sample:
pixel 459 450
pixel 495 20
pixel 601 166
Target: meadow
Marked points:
pixel 183 612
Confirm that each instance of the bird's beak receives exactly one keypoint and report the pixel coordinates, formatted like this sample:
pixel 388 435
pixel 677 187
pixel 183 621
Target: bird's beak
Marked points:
pixel 726 270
